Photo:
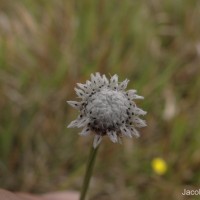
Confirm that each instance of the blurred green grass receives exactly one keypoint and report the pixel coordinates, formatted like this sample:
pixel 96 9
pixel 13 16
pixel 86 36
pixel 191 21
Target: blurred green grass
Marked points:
pixel 48 46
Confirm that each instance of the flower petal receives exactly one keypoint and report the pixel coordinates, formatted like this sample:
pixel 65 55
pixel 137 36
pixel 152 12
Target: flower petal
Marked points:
pixel 99 78
pixel 125 131
pixel 132 95
pixel 84 87
pixel 123 84
pixel 114 81
pixel 74 104
pixel 79 122
pixel 139 111
pixel 79 92
pixel 95 82
pixel 113 136
pixel 135 132
pixel 139 122
pixel 106 82
pixel 83 121
pixel 73 124
pixel 130 92
pixel 86 131
pixel 97 140
pixel 88 83
pixel 137 97
pixel 93 78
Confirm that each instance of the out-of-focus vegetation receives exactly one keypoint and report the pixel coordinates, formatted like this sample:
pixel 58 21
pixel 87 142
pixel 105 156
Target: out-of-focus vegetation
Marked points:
pixel 48 46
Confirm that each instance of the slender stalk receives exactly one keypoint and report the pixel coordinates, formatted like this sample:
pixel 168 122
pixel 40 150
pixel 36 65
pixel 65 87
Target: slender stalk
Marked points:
pixel 88 173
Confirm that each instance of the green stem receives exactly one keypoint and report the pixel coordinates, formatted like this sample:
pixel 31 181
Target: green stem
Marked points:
pixel 88 173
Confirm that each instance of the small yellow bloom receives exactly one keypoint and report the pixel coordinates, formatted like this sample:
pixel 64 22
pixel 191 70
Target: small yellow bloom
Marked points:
pixel 159 166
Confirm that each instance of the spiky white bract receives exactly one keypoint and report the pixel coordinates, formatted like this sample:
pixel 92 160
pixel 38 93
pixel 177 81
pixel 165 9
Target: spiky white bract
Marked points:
pixel 107 109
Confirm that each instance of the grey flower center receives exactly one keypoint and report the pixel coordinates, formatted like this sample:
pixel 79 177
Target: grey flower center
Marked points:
pixel 107 110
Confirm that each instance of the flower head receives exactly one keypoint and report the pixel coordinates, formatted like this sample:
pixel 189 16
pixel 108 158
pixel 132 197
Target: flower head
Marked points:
pixel 159 166
pixel 107 109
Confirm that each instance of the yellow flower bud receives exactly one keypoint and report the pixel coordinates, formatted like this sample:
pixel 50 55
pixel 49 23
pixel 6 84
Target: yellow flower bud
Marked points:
pixel 159 166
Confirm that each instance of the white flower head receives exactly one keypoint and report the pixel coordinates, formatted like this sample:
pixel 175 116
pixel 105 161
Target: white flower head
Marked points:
pixel 107 109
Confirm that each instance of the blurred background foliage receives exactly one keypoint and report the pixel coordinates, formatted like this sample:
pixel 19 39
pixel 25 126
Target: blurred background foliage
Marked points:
pixel 46 47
